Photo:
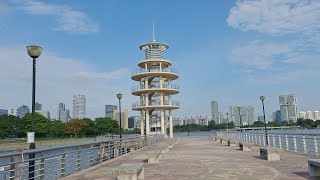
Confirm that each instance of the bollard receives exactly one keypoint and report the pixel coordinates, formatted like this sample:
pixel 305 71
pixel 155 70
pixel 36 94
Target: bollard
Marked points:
pixel 295 143
pixel 315 143
pixel 280 145
pixel 304 144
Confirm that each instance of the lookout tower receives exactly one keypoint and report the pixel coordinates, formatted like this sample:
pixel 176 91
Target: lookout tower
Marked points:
pixel 155 89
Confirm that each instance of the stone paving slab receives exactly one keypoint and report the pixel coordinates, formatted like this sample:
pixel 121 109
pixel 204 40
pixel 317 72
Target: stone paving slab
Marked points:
pixel 198 158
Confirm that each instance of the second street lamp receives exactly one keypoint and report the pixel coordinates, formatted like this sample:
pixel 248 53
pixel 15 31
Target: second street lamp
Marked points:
pixel 119 96
pixel 240 116
pixel 262 98
pixel 227 122
pixel 34 52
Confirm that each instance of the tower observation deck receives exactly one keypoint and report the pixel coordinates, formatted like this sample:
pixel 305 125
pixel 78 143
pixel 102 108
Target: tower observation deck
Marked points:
pixel 155 89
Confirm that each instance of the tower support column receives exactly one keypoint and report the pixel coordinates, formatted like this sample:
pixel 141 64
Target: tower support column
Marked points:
pixel 170 124
pixel 162 122
pixel 147 123
pixel 141 123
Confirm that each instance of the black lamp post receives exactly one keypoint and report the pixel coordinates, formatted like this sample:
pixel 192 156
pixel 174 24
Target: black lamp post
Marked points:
pixel 239 108
pixel 264 118
pixel 119 96
pixel 34 52
pixel 227 122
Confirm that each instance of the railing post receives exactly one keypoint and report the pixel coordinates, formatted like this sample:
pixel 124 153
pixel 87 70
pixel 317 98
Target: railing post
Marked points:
pixel 269 140
pixel 315 143
pixel 304 144
pixel 42 169
pixel 264 140
pixel 295 143
pixel 79 159
pixel 280 144
pixel 91 155
pixel 13 167
pixel 287 143
pixel 273 141
pixel 246 138
pixel 63 165
pixel 259 139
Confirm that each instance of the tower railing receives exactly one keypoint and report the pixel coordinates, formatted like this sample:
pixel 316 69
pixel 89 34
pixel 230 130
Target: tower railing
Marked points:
pixel 142 70
pixel 156 103
pixel 156 86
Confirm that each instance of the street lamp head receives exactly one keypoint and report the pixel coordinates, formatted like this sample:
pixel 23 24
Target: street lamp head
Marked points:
pixel 239 108
pixel 34 51
pixel 262 98
pixel 119 95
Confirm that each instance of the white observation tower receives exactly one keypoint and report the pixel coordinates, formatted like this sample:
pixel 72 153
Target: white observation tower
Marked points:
pixel 155 90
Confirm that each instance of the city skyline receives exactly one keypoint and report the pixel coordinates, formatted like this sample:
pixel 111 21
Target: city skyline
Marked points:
pixel 244 57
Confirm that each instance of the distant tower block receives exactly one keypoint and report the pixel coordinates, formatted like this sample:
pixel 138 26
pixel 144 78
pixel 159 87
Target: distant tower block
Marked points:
pixel 155 76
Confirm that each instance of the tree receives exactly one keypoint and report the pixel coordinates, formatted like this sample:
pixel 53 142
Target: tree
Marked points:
pixel 57 128
pixel 89 129
pixel 76 126
pixel 258 124
pixel 41 124
pixel 211 124
pixel 10 126
pixel 105 125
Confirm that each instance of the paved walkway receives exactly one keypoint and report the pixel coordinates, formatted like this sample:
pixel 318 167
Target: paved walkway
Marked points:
pixel 198 158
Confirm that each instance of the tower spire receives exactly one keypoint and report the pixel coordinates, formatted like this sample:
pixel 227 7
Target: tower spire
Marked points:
pixel 153 36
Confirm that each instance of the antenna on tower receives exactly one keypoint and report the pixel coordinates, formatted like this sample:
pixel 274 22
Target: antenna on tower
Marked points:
pixel 153 36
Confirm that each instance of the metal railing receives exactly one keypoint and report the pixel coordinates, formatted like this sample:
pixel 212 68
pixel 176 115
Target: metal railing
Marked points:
pixel 60 161
pixel 142 70
pixel 156 103
pixel 300 143
pixel 155 86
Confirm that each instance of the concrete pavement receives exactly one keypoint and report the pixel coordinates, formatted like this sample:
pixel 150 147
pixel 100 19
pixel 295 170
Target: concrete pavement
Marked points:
pixel 198 158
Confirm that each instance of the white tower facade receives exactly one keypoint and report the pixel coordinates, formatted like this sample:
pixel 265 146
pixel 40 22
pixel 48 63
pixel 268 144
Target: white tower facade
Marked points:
pixel 155 89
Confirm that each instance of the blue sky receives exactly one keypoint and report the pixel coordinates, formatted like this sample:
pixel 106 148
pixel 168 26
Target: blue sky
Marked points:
pixel 230 51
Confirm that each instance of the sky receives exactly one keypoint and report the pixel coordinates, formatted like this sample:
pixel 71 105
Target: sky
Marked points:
pixel 230 51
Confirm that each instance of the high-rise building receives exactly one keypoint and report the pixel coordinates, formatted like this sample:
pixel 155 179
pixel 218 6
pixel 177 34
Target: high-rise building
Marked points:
pixel 38 106
pixel 288 107
pixel 63 113
pixel 261 118
pixel 109 110
pixel 46 114
pixel 3 112
pixel 278 116
pixel 316 115
pixel 246 113
pixel 250 115
pixel 20 112
pixel 124 118
pixel 309 115
pixel 79 106
pixel 215 111
pixel 155 90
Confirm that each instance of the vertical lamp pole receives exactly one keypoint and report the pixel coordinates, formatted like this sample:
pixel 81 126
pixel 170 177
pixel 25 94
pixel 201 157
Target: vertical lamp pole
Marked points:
pixel 188 126
pixel 34 52
pixel 119 96
pixel 227 122
pixel 239 108
pixel 264 118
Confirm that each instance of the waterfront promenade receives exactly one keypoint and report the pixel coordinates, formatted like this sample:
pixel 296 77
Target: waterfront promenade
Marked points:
pixel 200 158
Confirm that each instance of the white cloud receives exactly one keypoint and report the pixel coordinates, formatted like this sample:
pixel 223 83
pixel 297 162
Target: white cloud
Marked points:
pixel 276 16
pixel 260 55
pixel 68 19
pixel 57 81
